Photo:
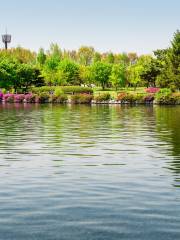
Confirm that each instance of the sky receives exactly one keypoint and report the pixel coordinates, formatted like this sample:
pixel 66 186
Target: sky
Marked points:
pixel 108 25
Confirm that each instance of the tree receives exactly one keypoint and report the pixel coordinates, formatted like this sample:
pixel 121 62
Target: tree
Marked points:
pixel 118 76
pixel 25 76
pixel 7 73
pixel 85 55
pixel 110 58
pixel 169 59
pixel 49 71
pixel 85 74
pixel 96 57
pixel 68 72
pixel 41 57
pixel 101 72
pixel 150 72
pixel 55 52
pixel 134 74
pixel 132 58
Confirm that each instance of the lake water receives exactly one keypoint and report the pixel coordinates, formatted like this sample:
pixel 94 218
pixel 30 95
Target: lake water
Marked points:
pixel 89 172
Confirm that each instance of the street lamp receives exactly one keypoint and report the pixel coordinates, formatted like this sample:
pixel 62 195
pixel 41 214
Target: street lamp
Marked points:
pixel 6 38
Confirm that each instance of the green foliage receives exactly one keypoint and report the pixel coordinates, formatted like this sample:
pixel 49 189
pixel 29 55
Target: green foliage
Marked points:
pixel 85 74
pixel 132 98
pixel 63 89
pixel 58 92
pixel 7 73
pixel 43 97
pixel 100 73
pixel 17 76
pixel 76 89
pixel 41 57
pixel 103 97
pixel 134 74
pixel 48 89
pixel 59 98
pixel 68 73
pixel 118 76
pixel 85 55
pixel 21 69
pixel 81 98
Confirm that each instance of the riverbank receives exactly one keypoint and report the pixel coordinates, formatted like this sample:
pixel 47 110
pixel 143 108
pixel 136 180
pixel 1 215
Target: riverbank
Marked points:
pixel 85 95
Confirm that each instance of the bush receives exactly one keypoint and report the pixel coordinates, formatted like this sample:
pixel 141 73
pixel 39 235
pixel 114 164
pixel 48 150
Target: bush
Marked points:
pixel 30 98
pixel 64 89
pixel 81 98
pixel 127 98
pixel 47 89
pixel 9 97
pixel 103 97
pixel 131 98
pixel 165 96
pixel 58 92
pixel 43 97
pixel 76 89
pixel 19 98
pixel 149 98
pixel 59 99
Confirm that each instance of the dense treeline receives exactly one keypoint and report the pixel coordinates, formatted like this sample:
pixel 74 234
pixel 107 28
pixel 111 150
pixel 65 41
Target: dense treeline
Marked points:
pixel 21 69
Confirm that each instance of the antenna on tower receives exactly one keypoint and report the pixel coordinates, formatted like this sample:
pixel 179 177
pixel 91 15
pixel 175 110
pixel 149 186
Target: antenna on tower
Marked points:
pixel 6 38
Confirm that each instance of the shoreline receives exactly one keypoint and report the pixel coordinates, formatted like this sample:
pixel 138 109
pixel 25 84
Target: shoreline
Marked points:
pixel 112 102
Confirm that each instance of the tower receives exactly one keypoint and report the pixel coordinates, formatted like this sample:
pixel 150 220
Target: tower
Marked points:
pixel 6 38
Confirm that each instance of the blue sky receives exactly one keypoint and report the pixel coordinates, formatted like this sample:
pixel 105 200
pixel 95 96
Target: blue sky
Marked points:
pixel 107 25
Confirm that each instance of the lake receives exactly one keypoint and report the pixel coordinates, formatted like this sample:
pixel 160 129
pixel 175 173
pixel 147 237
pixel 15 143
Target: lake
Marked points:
pixel 89 172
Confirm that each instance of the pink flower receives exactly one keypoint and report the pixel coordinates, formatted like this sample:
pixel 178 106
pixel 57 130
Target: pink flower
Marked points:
pixel 152 90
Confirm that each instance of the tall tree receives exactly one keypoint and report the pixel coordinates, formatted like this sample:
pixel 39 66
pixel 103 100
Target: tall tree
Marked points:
pixel 85 55
pixel 118 76
pixel 101 72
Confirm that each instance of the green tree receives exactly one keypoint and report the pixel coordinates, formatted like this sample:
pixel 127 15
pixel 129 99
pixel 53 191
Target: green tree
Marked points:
pixel 85 74
pixel 110 58
pixel 118 76
pixel 41 57
pixel 69 72
pixel 169 60
pixel 134 74
pixel 100 73
pixel 26 76
pixel 96 57
pixel 85 55
pixel 7 73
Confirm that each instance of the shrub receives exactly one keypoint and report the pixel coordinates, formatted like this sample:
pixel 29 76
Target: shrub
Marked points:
pixel 121 96
pixel 19 98
pixel 9 97
pixel 81 98
pixel 59 99
pixel 165 96
pixel 64 89
pixel 30 98
pixel 103 97
pixel 131 98
pixel 127 98
pixel 58 92
pixel 76 89
pixel 149 98
pixel 43 97
pixel 47 89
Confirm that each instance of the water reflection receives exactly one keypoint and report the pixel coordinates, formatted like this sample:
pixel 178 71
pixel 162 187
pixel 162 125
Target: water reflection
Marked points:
pixel 110 171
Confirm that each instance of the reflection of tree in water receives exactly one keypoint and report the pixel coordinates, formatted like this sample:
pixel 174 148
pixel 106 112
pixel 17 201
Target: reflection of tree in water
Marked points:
pixel 15 118
pixel 82 126
pixel 168 120
pixel 74 122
